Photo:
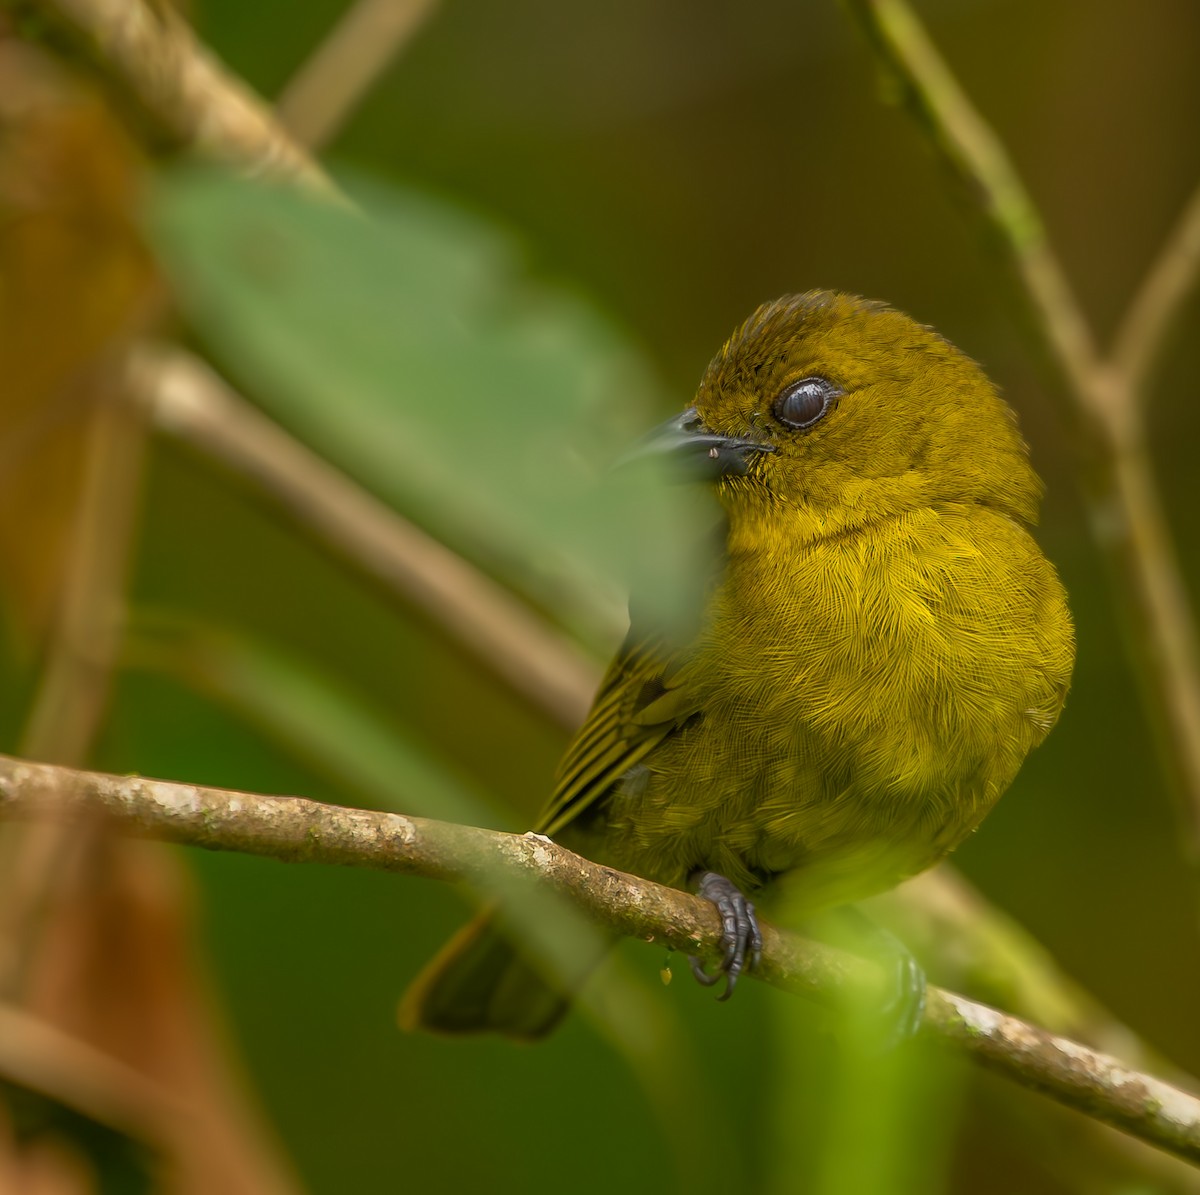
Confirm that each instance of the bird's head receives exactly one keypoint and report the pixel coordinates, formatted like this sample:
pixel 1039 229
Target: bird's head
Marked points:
pixel 850 412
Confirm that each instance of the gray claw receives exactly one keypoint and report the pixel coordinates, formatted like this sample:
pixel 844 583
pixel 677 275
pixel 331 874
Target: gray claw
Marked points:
pixel 740 934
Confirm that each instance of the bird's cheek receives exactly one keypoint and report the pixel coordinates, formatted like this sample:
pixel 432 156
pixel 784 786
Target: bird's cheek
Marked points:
pixel 739 493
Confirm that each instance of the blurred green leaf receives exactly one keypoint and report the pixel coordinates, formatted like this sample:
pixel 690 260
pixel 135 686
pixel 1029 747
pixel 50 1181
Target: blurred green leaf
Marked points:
pixel 339 734
pixel 850 1116
pixel 406 346
pixel 312 715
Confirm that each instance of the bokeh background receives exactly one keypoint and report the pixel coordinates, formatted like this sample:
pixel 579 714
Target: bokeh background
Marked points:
pixel 671 164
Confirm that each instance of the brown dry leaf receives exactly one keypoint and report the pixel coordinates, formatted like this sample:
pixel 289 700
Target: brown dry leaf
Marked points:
pixel 116 970
pixel 74 279
pixel 106 942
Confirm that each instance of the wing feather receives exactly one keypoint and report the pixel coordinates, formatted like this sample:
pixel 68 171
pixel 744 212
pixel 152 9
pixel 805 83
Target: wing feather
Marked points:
pixel 643 698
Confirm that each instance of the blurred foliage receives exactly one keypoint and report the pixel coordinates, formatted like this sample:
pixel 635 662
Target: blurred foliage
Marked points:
pixel 74 275
pixel 677 163
pixel 402 343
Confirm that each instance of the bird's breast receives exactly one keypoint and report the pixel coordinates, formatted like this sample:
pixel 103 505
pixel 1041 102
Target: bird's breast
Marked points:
pixel 859 705
pixel 915 654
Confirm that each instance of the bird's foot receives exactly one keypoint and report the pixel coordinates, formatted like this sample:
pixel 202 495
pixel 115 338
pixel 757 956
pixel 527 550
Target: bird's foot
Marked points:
pixel 741 939
pixel 903 1007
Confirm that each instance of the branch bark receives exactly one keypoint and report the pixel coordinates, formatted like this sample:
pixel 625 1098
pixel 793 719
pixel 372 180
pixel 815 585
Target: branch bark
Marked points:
pixel 148 53
pixel 294 830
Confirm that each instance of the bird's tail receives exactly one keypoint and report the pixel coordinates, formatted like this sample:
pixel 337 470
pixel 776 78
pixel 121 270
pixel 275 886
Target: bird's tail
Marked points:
pixel 479 983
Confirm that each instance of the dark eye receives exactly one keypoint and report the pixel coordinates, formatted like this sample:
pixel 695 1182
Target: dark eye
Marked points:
pixel 805 401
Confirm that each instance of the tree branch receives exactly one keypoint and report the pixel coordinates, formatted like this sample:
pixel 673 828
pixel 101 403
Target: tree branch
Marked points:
pixel 42 1057
pixel 291 829
pixel 330 84
pixel 81 656
pixel 977 157
pixel 73 692
pixel 189 401
pixel 149 53
pixel 1141 338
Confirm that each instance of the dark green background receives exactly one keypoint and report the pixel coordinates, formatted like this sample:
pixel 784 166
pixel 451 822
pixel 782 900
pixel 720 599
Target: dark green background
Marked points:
pixel 680 162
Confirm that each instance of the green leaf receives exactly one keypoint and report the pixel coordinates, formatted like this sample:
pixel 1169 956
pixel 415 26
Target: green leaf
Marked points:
pixel 337 733
pixel 406 346
pixel 311 714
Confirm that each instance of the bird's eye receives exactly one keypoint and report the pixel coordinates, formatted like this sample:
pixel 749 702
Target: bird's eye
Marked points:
pixel 805 401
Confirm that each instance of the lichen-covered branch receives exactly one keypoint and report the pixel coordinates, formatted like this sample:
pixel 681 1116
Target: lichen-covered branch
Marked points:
pixel 290 829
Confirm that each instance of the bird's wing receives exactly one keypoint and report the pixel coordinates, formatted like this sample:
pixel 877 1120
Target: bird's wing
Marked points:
pixel 644 697
pixel 650 691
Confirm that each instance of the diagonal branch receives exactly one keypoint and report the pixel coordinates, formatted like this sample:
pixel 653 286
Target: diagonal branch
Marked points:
pixel 344 66
pixel 978 158
pixel 189 401
pixel 39 1056
pixel 290 829
pixel 148 53
pixel 1141 338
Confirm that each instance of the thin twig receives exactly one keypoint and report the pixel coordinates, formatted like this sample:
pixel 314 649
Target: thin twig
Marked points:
pixel 1130 524
pixel 1100 396
pixel 191 402
pixel 330 84
pixel 977 156
pixel 74 688
pixel 1141 338
pixel 294 830
pixel 42 1057
pixel 73 692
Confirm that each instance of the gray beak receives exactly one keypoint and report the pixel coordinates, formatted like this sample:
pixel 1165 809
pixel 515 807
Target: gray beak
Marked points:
pixel 702 453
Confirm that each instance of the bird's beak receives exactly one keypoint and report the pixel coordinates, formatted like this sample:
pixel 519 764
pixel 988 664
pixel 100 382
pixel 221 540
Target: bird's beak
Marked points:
pixel 687 441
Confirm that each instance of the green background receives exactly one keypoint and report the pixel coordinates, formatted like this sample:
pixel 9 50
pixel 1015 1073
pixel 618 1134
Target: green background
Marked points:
pixel 677 163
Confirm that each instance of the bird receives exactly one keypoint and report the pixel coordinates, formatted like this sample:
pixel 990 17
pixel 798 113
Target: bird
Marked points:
pixel 880 644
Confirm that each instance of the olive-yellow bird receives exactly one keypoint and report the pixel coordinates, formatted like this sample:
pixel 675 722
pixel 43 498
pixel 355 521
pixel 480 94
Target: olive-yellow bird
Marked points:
pixel 883 645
